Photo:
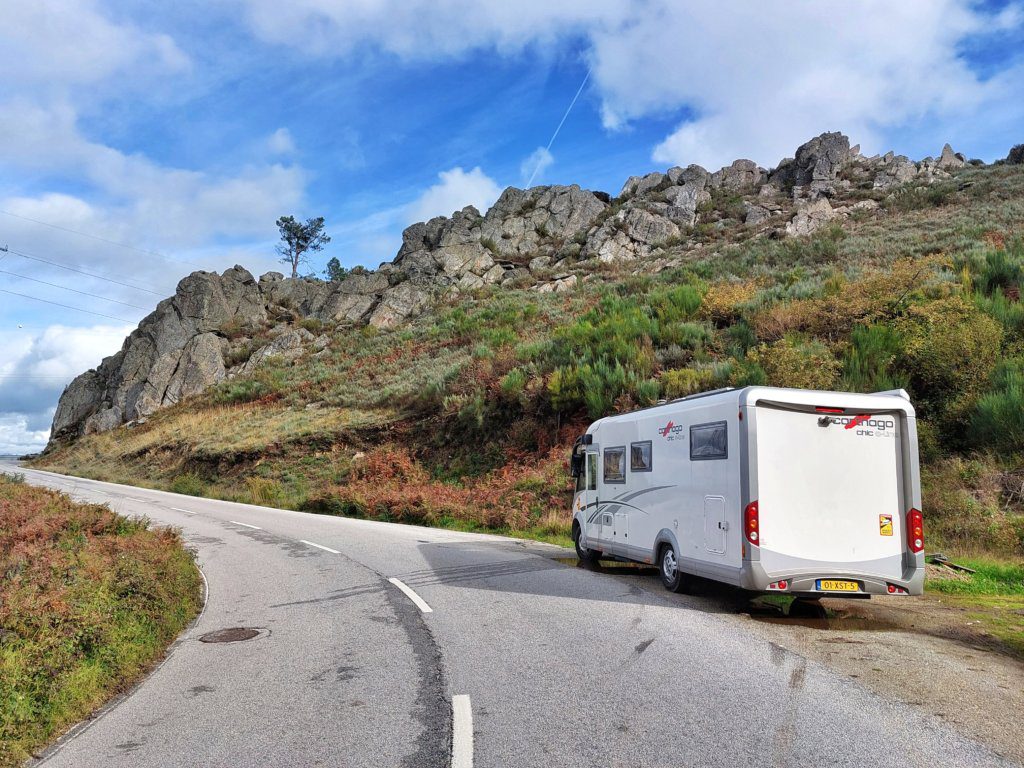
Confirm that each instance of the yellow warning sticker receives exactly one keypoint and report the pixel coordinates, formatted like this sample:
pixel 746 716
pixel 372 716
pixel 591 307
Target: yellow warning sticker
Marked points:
pixel 885 525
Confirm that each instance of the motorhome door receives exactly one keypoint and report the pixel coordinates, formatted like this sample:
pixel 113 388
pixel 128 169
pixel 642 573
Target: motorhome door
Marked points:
pixel 589 498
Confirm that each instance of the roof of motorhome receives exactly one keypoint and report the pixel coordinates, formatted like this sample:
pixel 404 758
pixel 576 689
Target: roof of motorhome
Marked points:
pixel 854 401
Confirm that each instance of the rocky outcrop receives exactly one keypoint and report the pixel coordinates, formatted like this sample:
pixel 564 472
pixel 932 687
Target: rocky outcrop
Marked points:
pixel 816 165
pixel 219 326
pixel 810 217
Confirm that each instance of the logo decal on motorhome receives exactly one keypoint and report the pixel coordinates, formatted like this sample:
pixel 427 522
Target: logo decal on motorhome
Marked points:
pixel 885 525
pixel 671 431
pixel 866 424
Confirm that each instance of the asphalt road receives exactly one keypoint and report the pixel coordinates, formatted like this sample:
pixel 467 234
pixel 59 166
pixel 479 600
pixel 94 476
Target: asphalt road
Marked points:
pixel 548 664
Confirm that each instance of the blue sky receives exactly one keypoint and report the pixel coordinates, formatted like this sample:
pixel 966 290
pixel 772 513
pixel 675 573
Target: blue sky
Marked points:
pixel 181 131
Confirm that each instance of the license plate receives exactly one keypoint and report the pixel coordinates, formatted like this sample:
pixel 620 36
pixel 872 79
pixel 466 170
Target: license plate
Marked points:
pixel 833 585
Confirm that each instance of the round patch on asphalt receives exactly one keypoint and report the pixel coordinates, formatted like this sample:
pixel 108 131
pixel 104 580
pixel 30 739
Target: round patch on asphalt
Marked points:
pixel 230 635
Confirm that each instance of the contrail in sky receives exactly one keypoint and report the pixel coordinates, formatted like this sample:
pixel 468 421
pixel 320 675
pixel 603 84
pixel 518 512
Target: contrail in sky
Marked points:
pixel 560 124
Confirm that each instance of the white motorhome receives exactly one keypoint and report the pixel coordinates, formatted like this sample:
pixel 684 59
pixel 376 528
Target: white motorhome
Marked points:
pixel 772 490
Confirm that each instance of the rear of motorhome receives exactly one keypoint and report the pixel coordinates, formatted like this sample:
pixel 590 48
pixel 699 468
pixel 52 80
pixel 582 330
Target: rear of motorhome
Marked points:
pixel 772 490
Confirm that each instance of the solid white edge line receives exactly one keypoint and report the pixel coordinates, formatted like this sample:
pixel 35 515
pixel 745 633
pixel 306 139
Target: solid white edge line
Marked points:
pixel 246 525
pixel 462 732
pixel 320 546
pixel 420 602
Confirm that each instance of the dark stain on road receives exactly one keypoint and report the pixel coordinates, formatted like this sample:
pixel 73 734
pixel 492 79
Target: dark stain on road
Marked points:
pixel 796 679
pixel 346 673
pixel 641 647
pixel 431 708
pixel 130 745
pixel 198 690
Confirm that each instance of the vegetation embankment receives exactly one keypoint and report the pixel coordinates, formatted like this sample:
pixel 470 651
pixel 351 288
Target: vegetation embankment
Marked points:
pixel 89 600
pixel 464 417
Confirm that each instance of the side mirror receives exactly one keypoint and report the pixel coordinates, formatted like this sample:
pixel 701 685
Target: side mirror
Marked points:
pixel 587 440
pixel 576 465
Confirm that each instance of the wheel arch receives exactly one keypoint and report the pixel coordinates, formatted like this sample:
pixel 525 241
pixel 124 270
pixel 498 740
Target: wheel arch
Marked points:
pixel 665 536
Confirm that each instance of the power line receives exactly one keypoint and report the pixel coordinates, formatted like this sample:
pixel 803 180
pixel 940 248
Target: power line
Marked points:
pixel 97 237
pixel 82 272
pixel 34 377
pixel 73 290
pixel 66 306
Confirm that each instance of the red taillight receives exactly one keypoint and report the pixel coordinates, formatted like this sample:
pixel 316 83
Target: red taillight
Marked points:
pixel 892 589
pixel 783 584
pixel 751 524
pixel 823 409
pixel 915 530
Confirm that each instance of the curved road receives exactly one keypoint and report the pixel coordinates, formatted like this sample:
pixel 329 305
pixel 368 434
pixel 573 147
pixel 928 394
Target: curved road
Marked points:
pixel 548 665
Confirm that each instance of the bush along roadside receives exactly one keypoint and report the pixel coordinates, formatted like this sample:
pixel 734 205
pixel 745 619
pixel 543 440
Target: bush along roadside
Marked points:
pixel 89 600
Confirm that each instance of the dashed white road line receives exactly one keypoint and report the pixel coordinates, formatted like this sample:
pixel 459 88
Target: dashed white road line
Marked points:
pixel 320 546
pixel 246 525
pixel 132 498
pixel 420 602
pixel 462 732
pixel 179 509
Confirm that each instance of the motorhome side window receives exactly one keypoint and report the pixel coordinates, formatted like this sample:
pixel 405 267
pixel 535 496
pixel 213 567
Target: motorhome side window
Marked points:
pixel 640 456
pixel 615 465
pixel 591 471
pixel 709 441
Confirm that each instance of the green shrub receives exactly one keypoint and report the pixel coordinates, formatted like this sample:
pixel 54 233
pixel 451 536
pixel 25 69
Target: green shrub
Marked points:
pixel 513 383
pixel 998 420
pixel 312 325
pixel 1009 314
pixel 741 338
pixel 791 362
pixel 1002 269
pixel 950 349
pixel 686 381
pixel 915 197
pixel 264 491
pixel 240 391
pixel 189 484
pixel 598 386
pixel 868 363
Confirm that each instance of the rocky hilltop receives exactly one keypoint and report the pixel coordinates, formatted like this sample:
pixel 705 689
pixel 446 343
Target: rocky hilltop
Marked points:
pixel 546 238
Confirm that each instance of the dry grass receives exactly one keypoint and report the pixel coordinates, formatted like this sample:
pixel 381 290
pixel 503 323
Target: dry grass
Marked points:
pixel 89 600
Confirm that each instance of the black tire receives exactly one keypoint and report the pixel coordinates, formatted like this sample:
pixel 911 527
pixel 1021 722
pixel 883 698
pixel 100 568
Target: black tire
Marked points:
pixel 673 579
pixel 585 556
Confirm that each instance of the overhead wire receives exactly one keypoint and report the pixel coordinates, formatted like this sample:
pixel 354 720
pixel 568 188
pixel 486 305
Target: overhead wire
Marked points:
pixel 82 272
pixel 101 239
pixel 73 290
pixel 66 306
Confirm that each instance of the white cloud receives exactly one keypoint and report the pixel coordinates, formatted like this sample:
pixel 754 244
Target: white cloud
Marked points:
pixel 35 366
pixel 281 142
pixel 425 29
pixel 754 79
pixel 761 78
pixel 73 43
pixel 455 190
pixel 17 439
pixel 532 168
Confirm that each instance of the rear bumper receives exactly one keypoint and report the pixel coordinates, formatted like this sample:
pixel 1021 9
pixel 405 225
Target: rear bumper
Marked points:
pixel 756 579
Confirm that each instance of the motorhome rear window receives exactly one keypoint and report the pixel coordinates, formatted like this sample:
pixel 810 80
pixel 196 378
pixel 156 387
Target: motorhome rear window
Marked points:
pixel 709 441
pixel 640 456
pixel 615 465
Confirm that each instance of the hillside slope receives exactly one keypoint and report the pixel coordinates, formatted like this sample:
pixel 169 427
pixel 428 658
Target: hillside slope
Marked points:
pixel 446 386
